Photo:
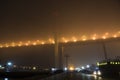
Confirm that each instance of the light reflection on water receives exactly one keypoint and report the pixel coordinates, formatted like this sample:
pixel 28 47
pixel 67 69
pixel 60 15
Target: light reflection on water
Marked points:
pixel 5 78
pixel 74 77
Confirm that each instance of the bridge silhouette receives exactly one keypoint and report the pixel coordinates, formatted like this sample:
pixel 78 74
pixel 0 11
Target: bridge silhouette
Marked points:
pixel 74 42
pixel 60 40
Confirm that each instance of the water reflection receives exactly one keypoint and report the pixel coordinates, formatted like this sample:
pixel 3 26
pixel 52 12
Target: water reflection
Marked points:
pixel 69 76
pixel 90 77
pixel 6 79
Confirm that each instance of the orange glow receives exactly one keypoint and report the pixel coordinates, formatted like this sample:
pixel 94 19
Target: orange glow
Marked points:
pixel 43 43
pixel 63 40
pixel 95 35
pixel 6 45
pixel 13 44
pixel 1 46
pixel 119 32
pixel 51 41
pixel 115 36
pixel 94 38
pixel 84 38
pixel 106 33
pixel 38 40
pixel 74 39
pixel 34 43
pixel 20 42
pixel 19 45
pixel 66 41
pixel 29 41
pixel 27 44
pixel 71 68
pixel 104 37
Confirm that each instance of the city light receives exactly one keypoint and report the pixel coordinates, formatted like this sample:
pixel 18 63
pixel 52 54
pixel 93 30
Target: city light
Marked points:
pixel 65 69
pixel 62 40
pixel 88 66
pixel 83 67
pixel 9 64
pixel 71 68
pixel 34 68
pixel 5 78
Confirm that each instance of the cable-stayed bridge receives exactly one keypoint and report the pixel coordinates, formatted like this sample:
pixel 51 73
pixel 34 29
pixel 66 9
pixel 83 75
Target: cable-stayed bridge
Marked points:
pixel 55 54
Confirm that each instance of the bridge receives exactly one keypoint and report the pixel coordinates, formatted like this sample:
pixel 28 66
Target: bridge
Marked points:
pixel 82 38
pixel 63 43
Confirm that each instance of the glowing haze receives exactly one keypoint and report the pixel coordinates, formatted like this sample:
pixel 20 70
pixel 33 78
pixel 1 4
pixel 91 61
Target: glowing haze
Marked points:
pixel 61 40
pixel 34 21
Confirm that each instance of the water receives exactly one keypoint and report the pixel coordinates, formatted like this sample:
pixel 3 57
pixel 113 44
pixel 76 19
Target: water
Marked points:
pixel 64 76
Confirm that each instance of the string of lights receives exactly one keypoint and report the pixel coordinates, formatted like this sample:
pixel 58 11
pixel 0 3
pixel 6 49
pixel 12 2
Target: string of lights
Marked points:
pixel 61 40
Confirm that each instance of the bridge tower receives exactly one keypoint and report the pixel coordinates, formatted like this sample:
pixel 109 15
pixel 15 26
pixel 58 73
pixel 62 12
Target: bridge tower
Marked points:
pixel 56 54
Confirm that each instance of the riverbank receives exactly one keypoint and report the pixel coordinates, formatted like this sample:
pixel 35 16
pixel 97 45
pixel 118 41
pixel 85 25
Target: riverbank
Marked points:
pixel 27 74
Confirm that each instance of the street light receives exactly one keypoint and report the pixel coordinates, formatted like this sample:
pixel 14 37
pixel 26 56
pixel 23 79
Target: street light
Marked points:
pixel 8 66
pixel 88 66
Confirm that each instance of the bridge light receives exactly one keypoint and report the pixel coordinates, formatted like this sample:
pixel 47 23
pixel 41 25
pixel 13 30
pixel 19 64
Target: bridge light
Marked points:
pixel 115 36
pixel 95 35
pixel 93 38
pixel 106 33
pixel 51 41
pixel 6 45
pixel 26 44
pixel 104 37
pixel 28 41
pixel 84 38
pixel 38 40
pixel 66 41
pixel 1 46
pixel 20 42
pixel 34 43
pixel 13 44
pixel 42 43
pixel 19 45
pixel 74 39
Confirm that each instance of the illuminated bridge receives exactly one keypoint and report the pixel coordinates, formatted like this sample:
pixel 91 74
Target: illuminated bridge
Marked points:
pixel 81 50
pixel 61 40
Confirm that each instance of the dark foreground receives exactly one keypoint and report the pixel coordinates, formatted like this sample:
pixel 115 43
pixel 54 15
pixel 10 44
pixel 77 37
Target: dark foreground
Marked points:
pixel 55 76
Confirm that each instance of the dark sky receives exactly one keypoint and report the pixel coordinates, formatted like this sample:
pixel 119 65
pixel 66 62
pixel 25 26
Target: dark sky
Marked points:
pixel 40 19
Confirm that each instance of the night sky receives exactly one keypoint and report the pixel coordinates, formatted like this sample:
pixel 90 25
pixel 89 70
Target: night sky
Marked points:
pixel 40 19
pixel 22 20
